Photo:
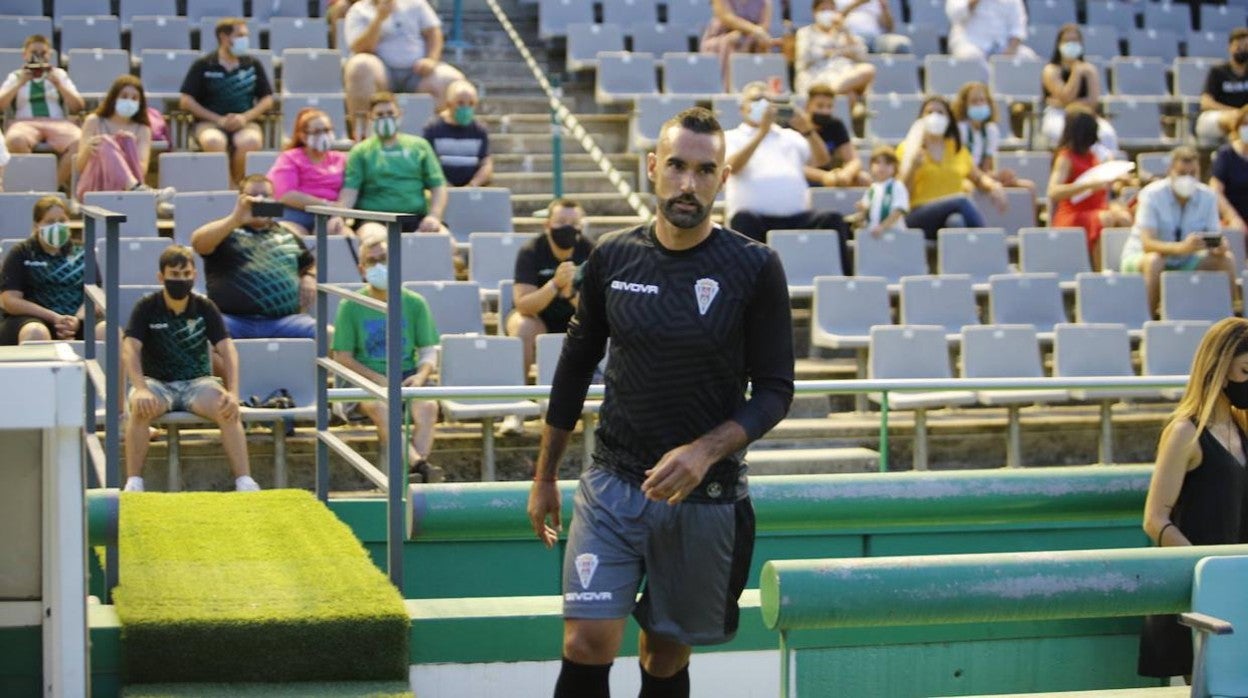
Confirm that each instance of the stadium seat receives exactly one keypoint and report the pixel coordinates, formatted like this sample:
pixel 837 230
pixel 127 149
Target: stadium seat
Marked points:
pixel 1051 12
pixel 1112 297
pixel 806 254
pixel 478 210
pixel 1006 351
pixel 844 310
pixel 1156 43
pixel 163 72
pixel 1020 210
pixel 94 70
pixel 926 39
pixel 691 15
pixel 266 365
pixel 15 28
pixel 1096 351
pixel 1189 77
pixel 1026 299
pixel 1172 17
pixel 655 38
pixel 331 103
pixel 892 255
pixel 1168 348
pixel 555 16
pixel 1032 165
pixel 1041 38
pixel 649 114
pixel 456 305
pixel 492 258
pixel 947 300
pixel 311 71
pixel 1137 75
pixel 1195 295
pixel 975 252
pixel 11 59
pixel 623 76
pixel 262 13
pixel 946 74
pixel 297 32
pixel 895 73
pixel 1015 76
pixel 727 110
pixel 139 207
pixel 1216 593
pixel 138 259
pixel 928 13
pixel 94 32
pixel 193 209
pixel 1155 164
pixel 428 257
pixel 891 116
pixel 341 259
pixel 1112 242
pixel 483 360
pixel 839 199
pixel 1105 37
pixel 506 303
pixel 60 9
pixel 415 111
pixel 130 9
pixel 30 172
pixel 158 33
pixel 1205 44
pixel 196 9
pixel 17 206
pixel 914 351
pixel 1062 251
pixel 261 161
pixel 1222 17
pixel 586 40
pixel 1115 13
pixel 194 171
pixel 744 68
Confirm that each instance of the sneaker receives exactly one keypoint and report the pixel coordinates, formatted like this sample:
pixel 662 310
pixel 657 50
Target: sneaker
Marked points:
pixel 513 425
pixel 133 484
pixel 246 484
pixel 425 472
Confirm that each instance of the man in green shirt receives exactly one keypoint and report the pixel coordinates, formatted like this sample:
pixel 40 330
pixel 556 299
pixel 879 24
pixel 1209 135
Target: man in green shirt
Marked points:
pixel 360 344
pixel 392 171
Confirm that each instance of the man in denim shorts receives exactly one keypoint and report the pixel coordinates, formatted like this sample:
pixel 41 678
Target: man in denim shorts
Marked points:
pixel 167 357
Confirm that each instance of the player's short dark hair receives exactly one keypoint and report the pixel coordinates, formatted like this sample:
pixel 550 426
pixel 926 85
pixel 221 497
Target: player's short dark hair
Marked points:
pixel 382 97
pixel 564 202
pixel 1236 34
pixel 696 119
pixel 253 179
pixel 226 26
pixel 820 90
pixel 885 153
pixel 176 257
pixel 47 203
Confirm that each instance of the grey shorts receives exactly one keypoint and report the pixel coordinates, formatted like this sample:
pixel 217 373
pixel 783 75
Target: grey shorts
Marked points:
pixel 179 395
pixel 402 78
pixel 694 559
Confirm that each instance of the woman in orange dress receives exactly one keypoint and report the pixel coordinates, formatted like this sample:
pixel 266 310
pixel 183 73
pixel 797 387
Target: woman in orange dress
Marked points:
pixel 1081 204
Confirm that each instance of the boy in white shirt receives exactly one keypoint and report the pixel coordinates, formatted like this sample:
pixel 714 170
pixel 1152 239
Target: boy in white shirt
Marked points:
pixel 885 204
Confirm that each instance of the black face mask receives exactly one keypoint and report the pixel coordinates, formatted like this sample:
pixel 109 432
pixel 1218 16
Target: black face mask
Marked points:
pixel 1240 57
pixel 822 120
pixel 178 288
pixel 564 237
pixel 1237 393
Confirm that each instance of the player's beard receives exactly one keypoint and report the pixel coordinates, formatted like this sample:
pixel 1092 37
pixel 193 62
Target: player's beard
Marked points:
pixel 684 219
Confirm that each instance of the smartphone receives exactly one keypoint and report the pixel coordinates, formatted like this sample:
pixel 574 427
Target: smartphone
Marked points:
pixel 267 209
pixel 784 113
pixel 1212 240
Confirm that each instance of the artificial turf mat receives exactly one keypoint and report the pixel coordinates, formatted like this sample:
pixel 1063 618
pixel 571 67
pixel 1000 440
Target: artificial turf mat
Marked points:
pixel 251 587
pixel 362 689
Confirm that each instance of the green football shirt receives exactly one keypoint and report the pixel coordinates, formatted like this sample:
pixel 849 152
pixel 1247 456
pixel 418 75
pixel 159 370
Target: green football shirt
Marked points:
pixel 393 178
pixel 362 331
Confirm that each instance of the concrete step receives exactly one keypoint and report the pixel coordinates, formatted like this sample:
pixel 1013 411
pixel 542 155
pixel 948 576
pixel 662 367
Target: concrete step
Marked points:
pixel 541 143
pixel 615 125
pixel 531 224
pixel 540 163
pixel 574 183
pixel 811 461
pixel 594 204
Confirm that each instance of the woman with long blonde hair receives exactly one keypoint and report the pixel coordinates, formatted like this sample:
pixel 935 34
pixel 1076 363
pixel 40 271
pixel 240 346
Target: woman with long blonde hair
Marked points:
pixel 1199 493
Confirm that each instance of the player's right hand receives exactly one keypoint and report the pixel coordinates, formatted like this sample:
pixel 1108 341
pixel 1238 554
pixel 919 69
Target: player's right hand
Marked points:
pixel 544 507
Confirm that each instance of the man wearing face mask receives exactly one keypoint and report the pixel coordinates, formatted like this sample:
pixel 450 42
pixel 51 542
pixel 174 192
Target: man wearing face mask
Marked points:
pixel 227 91
pixel 460 140
pixel 168 357
pixel 1226 91
pixel 42 97
pixel 41 280
pixel 983 28
pixel 1171 222
pixel 844 169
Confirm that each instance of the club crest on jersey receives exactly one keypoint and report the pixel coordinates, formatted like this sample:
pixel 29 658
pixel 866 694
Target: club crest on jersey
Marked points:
pixel 706 290
pixel 586 565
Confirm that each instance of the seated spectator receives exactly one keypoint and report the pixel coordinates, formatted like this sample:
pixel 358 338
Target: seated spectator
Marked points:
pixel 844 169
pixel 116 145
pixel 1170 218
pixel 737 26
pixel 1081 204
pixel 460 141
pixel 829 54
pixel 360 345
pixel 1068 79
pixel 976 113
pixel 767 188
pixel 1230 175
pixel 886 202
pixel 937 169
pixel 1226 90
pixel 983 28
pixel 309 172
pixel 227 91
pixel 42 97
pixel 259 273
pixel 396 172
pixel 335 12
pixel 41 280
pixel 167 357
pixel 396 46
pixel 872 21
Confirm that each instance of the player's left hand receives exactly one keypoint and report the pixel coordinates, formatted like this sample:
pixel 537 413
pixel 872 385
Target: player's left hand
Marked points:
pixel 677 473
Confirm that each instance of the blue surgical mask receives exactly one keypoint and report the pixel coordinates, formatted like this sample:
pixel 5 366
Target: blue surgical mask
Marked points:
pixel 377 276
pixel 979 112
pixel 240 45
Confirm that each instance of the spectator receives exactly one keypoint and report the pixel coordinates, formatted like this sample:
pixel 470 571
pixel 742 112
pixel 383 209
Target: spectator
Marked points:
pixel 336 12
pixel 767 186
pixel 737 26
pixel 983 28
pixel 227 91
pixel 886 202
pixel 395 172
pixel 872 21
pixel 1171 216
pixel 976 113
pixel 116 145
pixel 259 273
pixel 167 356
pixel 396 45
pixel 42 97
pixel 1230 174
pixel 1068 79
pixel 829 54
pixel 460 141
pixel 41 280
pixel 360 345
pixel 1226 90
pixel 844 169
pixel 936 169
pixel 309 172
pixel 1081 204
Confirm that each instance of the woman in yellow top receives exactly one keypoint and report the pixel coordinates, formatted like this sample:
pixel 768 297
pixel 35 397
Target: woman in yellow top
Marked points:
pixel 938 172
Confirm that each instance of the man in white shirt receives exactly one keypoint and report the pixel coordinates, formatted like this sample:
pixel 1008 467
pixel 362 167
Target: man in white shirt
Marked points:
pixel 42 97
pixel 983 28
pixel 872 21
pixel 767 189
pixel 396 46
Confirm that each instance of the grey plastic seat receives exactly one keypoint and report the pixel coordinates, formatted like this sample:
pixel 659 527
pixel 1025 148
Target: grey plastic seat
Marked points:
pixel 1155 164
pixel 130 9
pixel 1112 298
pixel 1190 74
pixel 843 311
pixel 469 360
pixel 1158 43
pixel 623 76
pixel 914 351
pixel 138 259
pixel 727 110
pixel 163 71
pixel 947 300
pixel 1062 251
pixel 655 38
pixel 193 209
pixel 1096 351
pixel 1137 121
pixel 1206 44
pixel 15 28
pixel 744 68
pixel 1173 17
pixel 261 161
pixel 1015 76
pixel 428 257
pixel 547 349
pixel 139 207
pixel 1006 351
pixel 1195 295
pixel 60 9
pixel 928 13
pixel 1213 17
pixel 1103 37
pixel 891 116
pixel 895 73
pixel 1168 348
pixel 693 15
pixel 331 103
pixel 625 12
pixel 415 111
pixel 839 199
pixel 946 74
pixel 1051 12
pixel 30 172
pixel 1020 210
pixel 976 252
pixel 188 172
pixel 17 206
pixel 341 259
pixel 297 32
pixel 311 71
pixel 94 70
pixel 925 39
pixel 1111 12
pixel 806 254
pixel 506 303
pixel 586 40
pixel 692 74
pixel 892 255
pixel 158 33
pixel 1026 299
pixel 214 8
pixel 492 258
pixel 1137 75
pixel 649 114
pixel 554 17
pixel 91 32
pixel 478 210
pixel 456 305
pixel 1112 242
pixel 1032 165
pixel 264 12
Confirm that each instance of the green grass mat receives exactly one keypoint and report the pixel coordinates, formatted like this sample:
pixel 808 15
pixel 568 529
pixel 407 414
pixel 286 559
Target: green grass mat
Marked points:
pixel 259 586
pixel 364 689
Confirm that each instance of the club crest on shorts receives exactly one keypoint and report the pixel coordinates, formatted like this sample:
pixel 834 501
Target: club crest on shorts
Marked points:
pixel 586 565
pixel 706 290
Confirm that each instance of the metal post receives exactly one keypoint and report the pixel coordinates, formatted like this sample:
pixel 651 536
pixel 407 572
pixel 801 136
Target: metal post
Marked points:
pixel 1013 445
pixel 1107 433
pixel 279 454
pixel 860 363
pixel 89 278
pixel 456 41
pixel 322 351
pixel 556 143
pixel 175 457
pixel 919 444
pixel 397 456
pixel 884 432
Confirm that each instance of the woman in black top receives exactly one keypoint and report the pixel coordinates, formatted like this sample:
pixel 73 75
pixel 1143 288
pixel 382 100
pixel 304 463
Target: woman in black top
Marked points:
pixel 1070 79
pixel 1199 493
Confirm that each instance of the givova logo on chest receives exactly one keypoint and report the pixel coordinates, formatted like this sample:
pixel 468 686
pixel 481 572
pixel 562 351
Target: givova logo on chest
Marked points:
pixel 632 287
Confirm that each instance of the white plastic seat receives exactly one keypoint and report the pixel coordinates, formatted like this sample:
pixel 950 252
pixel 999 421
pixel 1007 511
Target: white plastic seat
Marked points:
pixel 806 254
pixel 1195 295
pixel 1217 592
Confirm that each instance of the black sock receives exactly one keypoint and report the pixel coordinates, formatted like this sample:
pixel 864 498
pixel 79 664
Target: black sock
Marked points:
pixel 674 686
pixel 583 680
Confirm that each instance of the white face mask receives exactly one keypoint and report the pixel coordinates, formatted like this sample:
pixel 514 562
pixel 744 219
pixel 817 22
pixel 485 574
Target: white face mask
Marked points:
pixel 240 45
pixel 825 18
pixel 126 107
pixel 321 142
pixel 1184 186
pixel 936 123
pixel 1070 50
pixel 758 109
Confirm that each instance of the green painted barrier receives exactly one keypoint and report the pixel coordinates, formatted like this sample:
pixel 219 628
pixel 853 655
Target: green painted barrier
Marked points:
pixel 103 506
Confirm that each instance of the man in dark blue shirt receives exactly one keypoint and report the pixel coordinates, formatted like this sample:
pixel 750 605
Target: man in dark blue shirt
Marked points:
pixel 460 141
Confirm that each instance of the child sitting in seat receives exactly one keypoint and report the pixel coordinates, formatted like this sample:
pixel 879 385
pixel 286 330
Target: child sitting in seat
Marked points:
pixel 885 204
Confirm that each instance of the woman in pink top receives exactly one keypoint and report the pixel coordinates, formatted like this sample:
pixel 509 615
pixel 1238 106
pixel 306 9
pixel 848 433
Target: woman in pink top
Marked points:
pixel 309 172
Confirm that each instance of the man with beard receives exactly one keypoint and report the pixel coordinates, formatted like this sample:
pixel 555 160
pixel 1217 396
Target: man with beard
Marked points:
pixel 694 312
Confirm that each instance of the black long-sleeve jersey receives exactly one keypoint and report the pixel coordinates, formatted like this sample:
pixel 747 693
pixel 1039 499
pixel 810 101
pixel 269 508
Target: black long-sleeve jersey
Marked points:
pixel 688 329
